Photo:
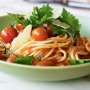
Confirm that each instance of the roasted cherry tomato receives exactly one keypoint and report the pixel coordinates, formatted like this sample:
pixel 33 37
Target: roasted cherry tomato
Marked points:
pixel 39 34
pixel 11 58
pixel 20 27
pixel 8 34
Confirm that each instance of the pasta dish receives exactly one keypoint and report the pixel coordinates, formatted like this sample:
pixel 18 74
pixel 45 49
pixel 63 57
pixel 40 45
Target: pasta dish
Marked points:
pixel 42 40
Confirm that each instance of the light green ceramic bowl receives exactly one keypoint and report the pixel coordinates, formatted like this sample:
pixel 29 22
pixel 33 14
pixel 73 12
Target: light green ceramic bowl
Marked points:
pixel 50 73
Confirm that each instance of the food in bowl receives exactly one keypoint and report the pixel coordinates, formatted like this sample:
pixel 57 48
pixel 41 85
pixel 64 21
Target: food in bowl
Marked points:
pixel 42 40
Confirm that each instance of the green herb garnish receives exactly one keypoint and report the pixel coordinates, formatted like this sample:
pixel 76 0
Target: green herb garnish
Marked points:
pixel 57 30
pixel 24 60
pixel 19 18
pixel 41 15
pixel 66 23
pixel 72 21
pixel 81 61
pixel 38 17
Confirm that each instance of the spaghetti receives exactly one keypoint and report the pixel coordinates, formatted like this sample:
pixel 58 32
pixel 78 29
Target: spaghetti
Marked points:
pixel 43 40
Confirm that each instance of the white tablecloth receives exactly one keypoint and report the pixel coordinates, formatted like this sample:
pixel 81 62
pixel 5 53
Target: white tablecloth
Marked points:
pixel 11 83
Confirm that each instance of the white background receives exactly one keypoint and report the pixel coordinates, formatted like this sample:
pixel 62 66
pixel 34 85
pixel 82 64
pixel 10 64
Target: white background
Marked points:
pixel 11 83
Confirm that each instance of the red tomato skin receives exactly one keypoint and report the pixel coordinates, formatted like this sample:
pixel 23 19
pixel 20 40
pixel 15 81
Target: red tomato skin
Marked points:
pixel 39 34
pixel 8 34
pixel 20 27
pixel 44 63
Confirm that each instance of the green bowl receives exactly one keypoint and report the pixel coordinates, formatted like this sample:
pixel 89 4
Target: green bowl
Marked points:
pixel 48 73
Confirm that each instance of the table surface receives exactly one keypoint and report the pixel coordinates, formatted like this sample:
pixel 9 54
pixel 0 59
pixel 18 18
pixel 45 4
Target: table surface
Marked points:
pixel 8 82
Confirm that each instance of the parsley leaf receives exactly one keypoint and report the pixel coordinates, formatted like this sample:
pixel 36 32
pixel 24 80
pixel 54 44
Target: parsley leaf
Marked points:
pixel 24 60
pixel 19 18
pixel 81 61
pixel 69 19
pixel 38 17
pixel 58 30
pixel 41 15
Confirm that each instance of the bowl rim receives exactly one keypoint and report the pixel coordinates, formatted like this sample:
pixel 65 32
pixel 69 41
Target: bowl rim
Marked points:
pixel 44 67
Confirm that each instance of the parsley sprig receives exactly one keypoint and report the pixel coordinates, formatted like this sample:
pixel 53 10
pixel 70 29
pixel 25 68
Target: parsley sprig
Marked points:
pixel 41 15
pixel 69 19
pixel 19 18
pixel 24 60
pixel 66 23
pixel 38 17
